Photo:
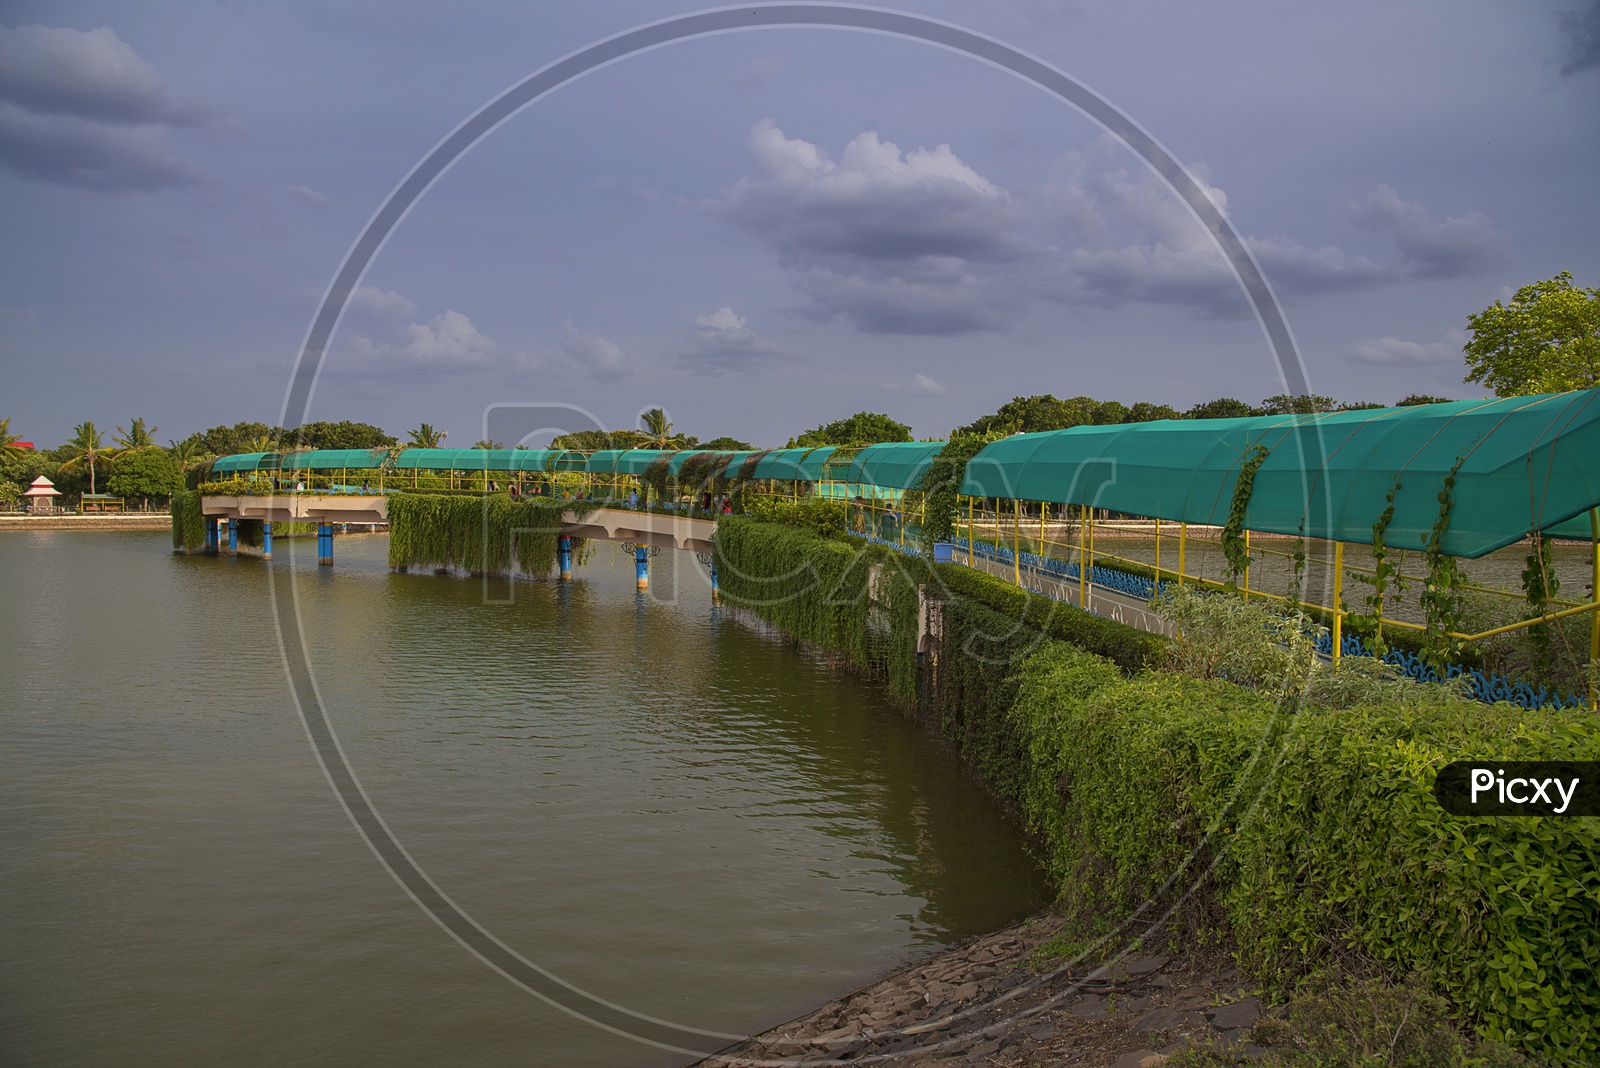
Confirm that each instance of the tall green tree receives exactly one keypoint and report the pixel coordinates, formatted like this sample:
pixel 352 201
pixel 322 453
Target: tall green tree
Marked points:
pixel 86 450
pixel 1297 404
pixel 137 436
pixel 658 432
pixel 191 450
pixel 863 428
pixel 341 435
pixel 426 437
pixel 1411 400
pixel 9 449
pixel 144 473
pixel 1545 341
pixel 1221 408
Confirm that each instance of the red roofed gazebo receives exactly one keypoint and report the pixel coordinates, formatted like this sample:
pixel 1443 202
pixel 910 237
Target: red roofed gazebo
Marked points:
pixel 41 493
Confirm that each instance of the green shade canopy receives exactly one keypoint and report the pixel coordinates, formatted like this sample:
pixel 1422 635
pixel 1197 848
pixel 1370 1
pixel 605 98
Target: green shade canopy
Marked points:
pixel 245 461
pixel 797 465
pixel 623 461
pixel 1528 463
pixel 527 460
pixel 893 464
pixel 333 459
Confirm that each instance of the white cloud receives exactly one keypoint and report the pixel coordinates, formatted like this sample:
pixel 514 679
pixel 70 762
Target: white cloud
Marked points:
pixel 724 341
pixel 756 73
pixel 594 355
pixel 447 344
pixel 1394 352
pixel 450 340
pixel 919 386
pixel 81 108
pixel 310 196
pixel 372 299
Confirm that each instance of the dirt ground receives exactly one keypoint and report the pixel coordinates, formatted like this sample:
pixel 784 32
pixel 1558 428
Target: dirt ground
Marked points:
pixel 998 1001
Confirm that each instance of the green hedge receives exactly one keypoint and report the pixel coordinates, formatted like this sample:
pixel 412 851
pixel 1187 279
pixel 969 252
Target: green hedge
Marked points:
pixel 1130 648
pixel 491 535
pixel 188 523
pixel 1325 836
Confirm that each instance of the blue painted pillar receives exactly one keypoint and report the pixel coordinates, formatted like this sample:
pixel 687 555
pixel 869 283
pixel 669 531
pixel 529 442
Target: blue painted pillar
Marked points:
pixel 266 540
pixel 211 534
pixel 325 543
pixel 233 537
pixel 641 565
pixel 715 593
pixel 564 556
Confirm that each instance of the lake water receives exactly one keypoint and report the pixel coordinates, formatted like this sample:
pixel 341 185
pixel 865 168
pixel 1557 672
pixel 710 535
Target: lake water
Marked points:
pixel 653 801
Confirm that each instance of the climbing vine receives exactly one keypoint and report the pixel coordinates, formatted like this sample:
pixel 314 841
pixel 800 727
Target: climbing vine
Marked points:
pixel 1233 531
pixel 1443 603
pixel 940 487
pixel 485 535
pixel 1540 584
pixel 1384 578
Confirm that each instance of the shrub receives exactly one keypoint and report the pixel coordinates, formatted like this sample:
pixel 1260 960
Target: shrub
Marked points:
pixel 491 535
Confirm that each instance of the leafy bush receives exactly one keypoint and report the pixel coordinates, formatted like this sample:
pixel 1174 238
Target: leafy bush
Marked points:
pixel 188 522
pixel 816 513
pixel 144 473
pixel 1314 836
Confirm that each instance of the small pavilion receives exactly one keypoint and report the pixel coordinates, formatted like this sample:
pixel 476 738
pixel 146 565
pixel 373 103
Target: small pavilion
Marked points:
pixel 41 493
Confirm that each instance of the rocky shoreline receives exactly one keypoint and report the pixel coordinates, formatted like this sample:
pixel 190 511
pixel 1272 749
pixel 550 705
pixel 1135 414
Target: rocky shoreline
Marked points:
pixel 1000 1000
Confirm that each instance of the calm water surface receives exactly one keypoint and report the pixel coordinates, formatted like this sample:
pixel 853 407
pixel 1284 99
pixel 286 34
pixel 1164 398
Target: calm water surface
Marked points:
pixel 651 800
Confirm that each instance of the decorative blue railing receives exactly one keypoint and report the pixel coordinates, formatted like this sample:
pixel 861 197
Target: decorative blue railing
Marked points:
pixel 1486 686
pixel 1108 577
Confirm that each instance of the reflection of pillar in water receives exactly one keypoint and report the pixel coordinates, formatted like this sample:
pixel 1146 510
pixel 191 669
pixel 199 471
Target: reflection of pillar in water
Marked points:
pixel 641 565
pixel 266 540
pixel 564 556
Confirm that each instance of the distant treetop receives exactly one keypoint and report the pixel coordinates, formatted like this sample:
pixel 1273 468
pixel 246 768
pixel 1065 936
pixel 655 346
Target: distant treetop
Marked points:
pixel 863 428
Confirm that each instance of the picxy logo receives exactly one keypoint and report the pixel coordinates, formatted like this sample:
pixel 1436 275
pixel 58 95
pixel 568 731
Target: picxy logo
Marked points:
pixel 1519 788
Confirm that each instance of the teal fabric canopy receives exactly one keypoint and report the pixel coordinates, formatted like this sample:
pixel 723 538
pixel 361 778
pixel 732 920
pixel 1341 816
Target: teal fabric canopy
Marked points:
pixel 245 461
pixel 892 464
pixel 333 459
pixel 796 465
pixel 1526 463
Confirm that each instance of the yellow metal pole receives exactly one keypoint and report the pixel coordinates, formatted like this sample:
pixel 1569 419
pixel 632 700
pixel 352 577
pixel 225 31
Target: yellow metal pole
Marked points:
pixel 971 531
pixel 1083 559
pixel 1338 602
pixel 1016 541
pixel 1088 569
pixel 1043 508
pixel 1158 549
pixel 1594 593
pixel 1183 545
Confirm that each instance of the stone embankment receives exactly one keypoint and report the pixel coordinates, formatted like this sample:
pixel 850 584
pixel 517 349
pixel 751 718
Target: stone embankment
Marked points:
pixel 109 521
pixel 1000 1001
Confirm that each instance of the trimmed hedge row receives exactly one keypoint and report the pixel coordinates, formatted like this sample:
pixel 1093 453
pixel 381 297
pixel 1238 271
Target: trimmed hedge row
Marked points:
pixel 1325 836
pixel 1128 647
pixel 1309 836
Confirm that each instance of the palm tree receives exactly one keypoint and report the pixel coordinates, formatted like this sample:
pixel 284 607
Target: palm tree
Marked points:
pixel 425 437
pixel 86 448
pixel 485 443
pixel 658 432
pixel 261 443
pixel 137 437
pixel 9 449
pixel 187 453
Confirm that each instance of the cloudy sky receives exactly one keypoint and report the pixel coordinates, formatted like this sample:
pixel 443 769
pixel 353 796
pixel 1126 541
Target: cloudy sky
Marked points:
pixel 765 230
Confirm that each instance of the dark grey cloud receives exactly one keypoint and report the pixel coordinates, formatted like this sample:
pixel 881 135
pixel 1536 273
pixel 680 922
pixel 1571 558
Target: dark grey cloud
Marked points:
pixel 89 155
pixel 81 108
pixel 893 242
pixel 1580 39
pixel 723 341
pixel 88 74
pixel 1459 247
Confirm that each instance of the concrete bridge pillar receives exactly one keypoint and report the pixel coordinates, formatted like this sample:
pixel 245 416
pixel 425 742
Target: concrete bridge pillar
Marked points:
pixel 212 535
pixel 325 543
pixel 233 537
pixel 564 556
pixel 641 565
